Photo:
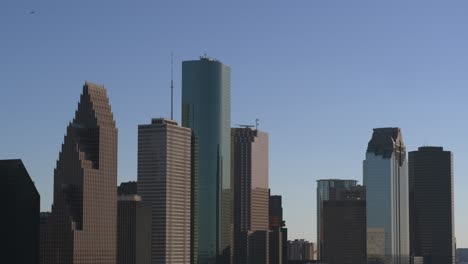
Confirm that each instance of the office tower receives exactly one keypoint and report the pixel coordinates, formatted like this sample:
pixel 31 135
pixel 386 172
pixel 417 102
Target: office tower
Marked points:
pixel 300 250
pixel 251 195
pixel 328 189
pixel 278 232
pixel 20 223
pixel 83 225
pixel 133 226
pixel 344 228
pixel 164 153
pixel 206 109
pixel 462 255
pixel 432 232
pixel 43 219
pixel 126 188
pixel 386 181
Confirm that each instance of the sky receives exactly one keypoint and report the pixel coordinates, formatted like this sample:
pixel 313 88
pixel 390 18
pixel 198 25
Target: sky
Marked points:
pixel 318 74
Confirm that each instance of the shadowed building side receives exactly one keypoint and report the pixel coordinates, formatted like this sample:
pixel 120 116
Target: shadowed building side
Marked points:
pixel 20 224
pixel 431 205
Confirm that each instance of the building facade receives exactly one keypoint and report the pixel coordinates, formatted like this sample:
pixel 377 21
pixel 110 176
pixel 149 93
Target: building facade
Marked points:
pixel 300 250
pixel 82 227
pixel 133 226
pixel 328 189
pixel 344 228
pixel 164 182
pixel 431 205
pixel 20 224
pixel 278 232
pixel 386 182
pixel 206 109
pixel 251 196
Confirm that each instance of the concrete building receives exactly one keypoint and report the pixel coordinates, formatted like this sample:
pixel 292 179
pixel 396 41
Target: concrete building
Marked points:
pixel 328 189
pixel 251 196
pixel 164 169
pixel 344 228
pixel 133 226
pixel 83 225
pixel 20 221
pixel 206 109
pixel 431 205
pixel 386 182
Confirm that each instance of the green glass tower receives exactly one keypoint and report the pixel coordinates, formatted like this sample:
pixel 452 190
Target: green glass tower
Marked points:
pixel 206 109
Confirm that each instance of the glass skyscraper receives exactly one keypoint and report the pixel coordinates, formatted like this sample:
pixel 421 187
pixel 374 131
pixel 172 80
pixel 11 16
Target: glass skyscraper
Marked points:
pixel 386 181
pixel 328 190
pixel 206 109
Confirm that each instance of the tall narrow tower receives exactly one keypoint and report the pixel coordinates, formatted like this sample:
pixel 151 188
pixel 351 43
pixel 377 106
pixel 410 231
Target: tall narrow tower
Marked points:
pixel 164 165
pixel 206 109
pixel 386 181
pixel 431 205
pixel 251 195
pixel 83 225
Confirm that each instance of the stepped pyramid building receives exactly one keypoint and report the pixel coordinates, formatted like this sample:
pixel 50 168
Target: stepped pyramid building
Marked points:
pixel 82 227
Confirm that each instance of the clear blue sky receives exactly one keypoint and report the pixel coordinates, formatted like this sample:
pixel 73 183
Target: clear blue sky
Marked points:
pixel 319 75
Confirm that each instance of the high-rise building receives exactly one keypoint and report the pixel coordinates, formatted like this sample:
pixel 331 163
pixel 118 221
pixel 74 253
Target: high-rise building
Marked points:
pixel 20 222
pixel 278 232
pixel 206 109
pixel 300 250
pixel 432 233
pixel 251 195
pixel 328 189
pixel 462 255
pixel 344 229
pixel 83 225
pixel 133 226
pixel 386 181
pixel 164 167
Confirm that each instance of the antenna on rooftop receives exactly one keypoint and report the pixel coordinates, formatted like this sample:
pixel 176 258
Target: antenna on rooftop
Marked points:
pixel 257 123
pixel 172 86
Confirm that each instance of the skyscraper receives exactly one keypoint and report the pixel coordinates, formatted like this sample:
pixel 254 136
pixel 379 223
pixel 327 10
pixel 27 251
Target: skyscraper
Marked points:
pixel 328 189
pixel 278 232
pixel 251 195
pixel 431 205
pixel 206 109
pixel 20 220
pixel 344 229
pixel 83 225
pixel 386 182
pixel 133 226
pixel 164 153
pixel 300 250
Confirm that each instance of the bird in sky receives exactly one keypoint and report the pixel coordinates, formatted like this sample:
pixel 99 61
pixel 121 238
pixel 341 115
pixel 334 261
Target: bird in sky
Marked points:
pixel 32 12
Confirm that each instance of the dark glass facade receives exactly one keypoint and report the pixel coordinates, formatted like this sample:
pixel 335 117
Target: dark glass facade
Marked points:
pixel 82 227
pixel 20 221
pixel 328 189
pixel 206 109
pixel 133 229
pixel 431 205
pixel 344 228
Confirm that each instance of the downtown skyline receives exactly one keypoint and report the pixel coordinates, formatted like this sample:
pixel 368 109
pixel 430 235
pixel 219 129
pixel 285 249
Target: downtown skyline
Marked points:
pixel 137 97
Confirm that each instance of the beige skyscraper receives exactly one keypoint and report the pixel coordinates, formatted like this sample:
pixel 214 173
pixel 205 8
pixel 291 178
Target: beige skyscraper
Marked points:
pixel 82 227
pixel 251 195
pixel 164 181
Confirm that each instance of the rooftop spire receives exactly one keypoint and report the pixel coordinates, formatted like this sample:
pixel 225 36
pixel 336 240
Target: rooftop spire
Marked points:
pixel 172 87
